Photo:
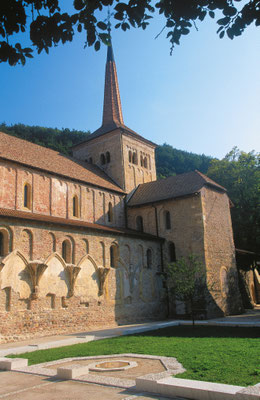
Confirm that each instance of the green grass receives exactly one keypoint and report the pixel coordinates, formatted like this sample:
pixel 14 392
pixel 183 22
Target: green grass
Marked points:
pixel 216 354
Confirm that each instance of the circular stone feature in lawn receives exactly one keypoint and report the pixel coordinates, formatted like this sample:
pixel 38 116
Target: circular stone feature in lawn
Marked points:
pixel 115 365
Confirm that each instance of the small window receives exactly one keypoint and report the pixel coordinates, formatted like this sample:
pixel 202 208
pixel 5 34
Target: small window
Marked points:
pixel 108 157
pixel 139 223
pixel 130 156
pixel 172 253
pixel 110 212
pixel 66 251
pixel 141 161
pixel 27 196
pixel 75 206
pixel 90 160
pixel 145 162
pixel 167 219
pixel 135 161
pixel 113 256
pixel 102 159
pixel 3 244
pixel 149 258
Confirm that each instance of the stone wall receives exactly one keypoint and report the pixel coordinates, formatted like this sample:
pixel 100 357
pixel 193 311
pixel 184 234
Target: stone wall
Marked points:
pixel 41 293
pixel 54 196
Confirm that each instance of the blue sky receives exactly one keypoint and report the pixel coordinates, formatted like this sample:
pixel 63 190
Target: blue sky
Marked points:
pixel 205 98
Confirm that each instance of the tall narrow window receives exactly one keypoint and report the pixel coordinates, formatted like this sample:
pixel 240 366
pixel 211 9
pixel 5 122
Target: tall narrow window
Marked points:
pixel 90 160
pixel 2 244
pixel 149 258
pixel 113 256
pixel 139 223
pixel 167 219
pixel 75 206
pixel 130 156
pixel 110 212
pixel 102 159
pixel 66 251
pixel 145 162
pixel 141 161
pixel 27 196
pixel 107 157
pixel 172 253
pixel 135 161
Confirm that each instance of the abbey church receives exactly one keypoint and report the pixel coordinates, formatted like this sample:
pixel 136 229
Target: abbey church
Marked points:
pixel 85 240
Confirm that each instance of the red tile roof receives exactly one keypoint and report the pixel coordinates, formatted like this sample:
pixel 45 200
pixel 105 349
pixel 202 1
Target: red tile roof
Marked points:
pixel 35 156
pixel 24 215
pixel 172 187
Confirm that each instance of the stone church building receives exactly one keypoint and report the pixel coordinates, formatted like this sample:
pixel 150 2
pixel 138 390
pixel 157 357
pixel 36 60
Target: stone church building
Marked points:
pixel 85 240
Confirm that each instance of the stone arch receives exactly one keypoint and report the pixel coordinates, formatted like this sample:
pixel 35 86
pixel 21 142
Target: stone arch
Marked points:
pixel 85 245
pixel 26 241
pixel 54 279
pixel 87 283
pixel 6 241
pixel 15 275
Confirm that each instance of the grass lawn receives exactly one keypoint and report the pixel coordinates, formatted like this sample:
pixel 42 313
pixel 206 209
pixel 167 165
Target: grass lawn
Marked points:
pixel 216 354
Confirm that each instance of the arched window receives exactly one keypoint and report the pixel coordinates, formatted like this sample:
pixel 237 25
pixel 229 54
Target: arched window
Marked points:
pixel 149 258
pixel 141 161
pixel 172 253
pixel 102 159
pixel 167 219
pixel 110 212
pixel 145 162
pixel 66 251
pixel 108 157
pixel 27 196
pixel 113 256
pixel 135 161
pixel 139 223
pixel 3 244
pixel 75 206
pixel 130 156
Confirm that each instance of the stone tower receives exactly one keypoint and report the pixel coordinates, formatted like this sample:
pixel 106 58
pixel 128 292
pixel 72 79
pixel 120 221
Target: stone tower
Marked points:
pixel 127 157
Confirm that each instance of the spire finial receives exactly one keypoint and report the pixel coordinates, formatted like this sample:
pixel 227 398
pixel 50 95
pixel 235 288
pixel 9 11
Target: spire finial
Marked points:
pixel 109 15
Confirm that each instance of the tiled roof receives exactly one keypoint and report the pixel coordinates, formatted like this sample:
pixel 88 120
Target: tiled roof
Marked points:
pixel 24 215
pixel 35 156
pixel 109 127
pixel 172 187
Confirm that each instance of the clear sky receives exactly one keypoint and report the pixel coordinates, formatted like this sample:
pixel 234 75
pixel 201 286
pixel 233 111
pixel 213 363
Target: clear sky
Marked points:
pixel 205 98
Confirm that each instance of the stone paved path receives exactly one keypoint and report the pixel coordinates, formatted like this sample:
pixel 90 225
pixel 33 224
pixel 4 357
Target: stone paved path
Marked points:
pixel 20 386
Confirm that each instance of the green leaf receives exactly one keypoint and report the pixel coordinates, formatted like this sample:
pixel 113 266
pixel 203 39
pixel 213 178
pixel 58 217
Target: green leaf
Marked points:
pixel 212 14
pixel 97 45
pixel 101 25
pixel 221 35
pixel 223 21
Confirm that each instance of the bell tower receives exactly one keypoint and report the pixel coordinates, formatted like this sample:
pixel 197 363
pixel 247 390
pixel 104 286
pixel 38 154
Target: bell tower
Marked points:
pixel 125 156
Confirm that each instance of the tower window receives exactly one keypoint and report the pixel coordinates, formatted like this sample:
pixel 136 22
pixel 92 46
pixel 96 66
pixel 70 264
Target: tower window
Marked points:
pixel 75 206
pixel 149 258
pixel 102 159
pixel 172 253
pixel 110 212
pixel 139 223
pixel 145 162
pixel 108 157
pixel 66 251
pixel 27 196
pixel 141 161
pixel 167 219
pixel 130 156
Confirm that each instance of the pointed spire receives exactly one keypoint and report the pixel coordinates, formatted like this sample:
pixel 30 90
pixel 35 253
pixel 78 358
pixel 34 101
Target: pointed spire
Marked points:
pixel 112 109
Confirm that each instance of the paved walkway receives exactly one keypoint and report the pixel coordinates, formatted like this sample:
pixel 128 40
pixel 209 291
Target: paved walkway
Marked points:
pixel 16 385
pixel 20 386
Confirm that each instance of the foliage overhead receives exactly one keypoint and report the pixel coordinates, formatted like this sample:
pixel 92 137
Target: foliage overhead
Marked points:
pixel 51 22
pixel 239 173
